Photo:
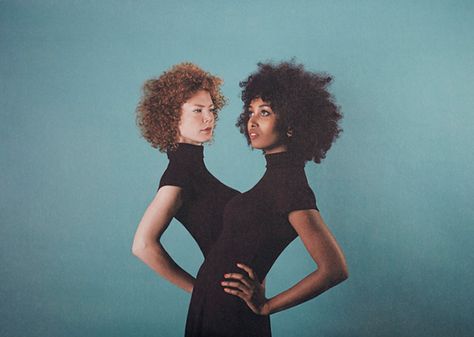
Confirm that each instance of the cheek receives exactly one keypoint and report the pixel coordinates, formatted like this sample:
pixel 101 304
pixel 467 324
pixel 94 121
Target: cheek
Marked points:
pixel 272 129
pixel 188 124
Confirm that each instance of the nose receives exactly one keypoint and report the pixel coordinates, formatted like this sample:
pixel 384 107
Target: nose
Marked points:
pixel 252 121
pixel 208 116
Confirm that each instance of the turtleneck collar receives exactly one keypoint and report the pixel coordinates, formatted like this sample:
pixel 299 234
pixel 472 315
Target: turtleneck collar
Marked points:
pixel 284 159
pixel 187 152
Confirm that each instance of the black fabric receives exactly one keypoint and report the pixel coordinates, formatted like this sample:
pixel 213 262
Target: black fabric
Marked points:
pixel 204 197
pixel 255 231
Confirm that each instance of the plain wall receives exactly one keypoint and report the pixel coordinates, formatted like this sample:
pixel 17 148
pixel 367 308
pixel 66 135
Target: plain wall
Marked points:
pixel 396 189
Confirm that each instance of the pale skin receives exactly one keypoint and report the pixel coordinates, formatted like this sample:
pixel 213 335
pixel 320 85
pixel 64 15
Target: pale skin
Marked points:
pixel 308 224
pixel 195 127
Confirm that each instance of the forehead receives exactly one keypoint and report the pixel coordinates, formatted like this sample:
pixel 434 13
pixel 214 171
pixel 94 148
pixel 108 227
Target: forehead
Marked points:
pixel 258 102
pixel 201 97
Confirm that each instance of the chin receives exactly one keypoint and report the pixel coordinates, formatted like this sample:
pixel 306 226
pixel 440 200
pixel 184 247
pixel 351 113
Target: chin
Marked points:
pixel 205 140
pixel 256 146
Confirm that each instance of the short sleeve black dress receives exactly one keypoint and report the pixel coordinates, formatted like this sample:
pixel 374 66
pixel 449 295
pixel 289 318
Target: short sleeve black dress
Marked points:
pixel 204 196
pixel 255 231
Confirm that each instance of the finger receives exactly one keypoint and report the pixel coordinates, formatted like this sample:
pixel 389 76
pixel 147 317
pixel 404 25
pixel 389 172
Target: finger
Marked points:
pixel 236 276
pixel 248 270
pixel 239 285
pixel 243 297
pixel 240 278
pixel 251 306
pixel 235 292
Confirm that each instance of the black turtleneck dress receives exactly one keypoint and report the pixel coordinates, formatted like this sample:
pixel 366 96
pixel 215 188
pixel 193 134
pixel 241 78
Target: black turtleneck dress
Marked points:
pixel 255 231
pixel 204 197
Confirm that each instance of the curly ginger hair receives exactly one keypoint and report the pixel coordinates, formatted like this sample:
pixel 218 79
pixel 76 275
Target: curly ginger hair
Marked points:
pixel 159 111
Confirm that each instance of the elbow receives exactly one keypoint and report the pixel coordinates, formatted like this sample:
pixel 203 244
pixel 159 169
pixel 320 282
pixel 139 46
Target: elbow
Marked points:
pixel 137 251
pixel 139 248
pixel 342 275
pixel 144 248
pixel 338 275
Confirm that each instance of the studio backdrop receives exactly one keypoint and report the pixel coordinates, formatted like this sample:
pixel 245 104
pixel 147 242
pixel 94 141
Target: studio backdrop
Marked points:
pixel 396 188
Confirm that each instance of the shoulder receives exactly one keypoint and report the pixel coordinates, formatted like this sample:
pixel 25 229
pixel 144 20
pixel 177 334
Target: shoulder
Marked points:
pixel 295 178
pixel 292 192
pixel 176 174
pixel 290 181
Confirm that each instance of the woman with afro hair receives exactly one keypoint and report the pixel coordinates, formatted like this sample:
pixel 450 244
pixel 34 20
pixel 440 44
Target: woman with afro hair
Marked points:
pixel 177 114
pixel 290 116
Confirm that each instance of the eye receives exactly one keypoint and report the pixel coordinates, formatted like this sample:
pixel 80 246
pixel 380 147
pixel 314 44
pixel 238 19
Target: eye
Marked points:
pixel 213 110
pixel 250 113
pixel 264 113
pixel 197 110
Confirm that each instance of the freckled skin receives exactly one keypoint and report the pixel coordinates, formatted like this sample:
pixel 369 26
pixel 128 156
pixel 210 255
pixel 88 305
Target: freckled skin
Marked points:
pixel 186 178
pixel 197 119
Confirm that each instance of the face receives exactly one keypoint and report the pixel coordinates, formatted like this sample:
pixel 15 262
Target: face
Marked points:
pixel 197 119
pixel 262 128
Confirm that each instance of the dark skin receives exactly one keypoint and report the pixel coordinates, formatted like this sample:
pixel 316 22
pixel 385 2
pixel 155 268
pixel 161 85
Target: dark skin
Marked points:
pixel 308 224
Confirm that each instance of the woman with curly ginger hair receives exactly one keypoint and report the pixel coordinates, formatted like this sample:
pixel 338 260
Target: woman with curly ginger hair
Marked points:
pixel 177 114
pixel 289 115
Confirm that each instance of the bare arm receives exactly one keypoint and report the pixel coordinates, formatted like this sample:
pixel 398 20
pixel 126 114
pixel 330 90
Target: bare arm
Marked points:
pixel 324 250
pixel 146 243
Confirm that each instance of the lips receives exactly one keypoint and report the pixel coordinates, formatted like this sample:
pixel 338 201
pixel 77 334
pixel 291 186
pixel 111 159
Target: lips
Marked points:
pixel 208 129
pixel 253 134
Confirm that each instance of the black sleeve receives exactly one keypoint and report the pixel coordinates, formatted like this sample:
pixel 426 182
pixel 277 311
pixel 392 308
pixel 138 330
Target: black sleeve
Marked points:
pixel 175 175
pixel 295 195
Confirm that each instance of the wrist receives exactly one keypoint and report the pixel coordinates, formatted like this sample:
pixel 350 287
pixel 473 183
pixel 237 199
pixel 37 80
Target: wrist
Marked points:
pixel 266 308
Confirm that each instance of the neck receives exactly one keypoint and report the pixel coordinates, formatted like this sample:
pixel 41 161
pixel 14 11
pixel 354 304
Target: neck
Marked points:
pixel 275 149
pixel 186 152
pixel 284 159
pixel 183 140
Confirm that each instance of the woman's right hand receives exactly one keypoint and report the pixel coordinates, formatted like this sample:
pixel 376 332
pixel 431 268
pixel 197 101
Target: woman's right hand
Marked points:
pixel 248 288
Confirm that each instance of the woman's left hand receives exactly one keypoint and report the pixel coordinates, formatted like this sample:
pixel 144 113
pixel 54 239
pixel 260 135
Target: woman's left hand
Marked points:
pixel 247 288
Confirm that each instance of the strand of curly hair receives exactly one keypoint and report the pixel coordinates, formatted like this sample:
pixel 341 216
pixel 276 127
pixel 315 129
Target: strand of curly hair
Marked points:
pixel 303 105
pixel 159 111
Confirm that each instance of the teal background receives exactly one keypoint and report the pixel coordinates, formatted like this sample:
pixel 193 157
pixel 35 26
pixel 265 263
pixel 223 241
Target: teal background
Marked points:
pixel 396 189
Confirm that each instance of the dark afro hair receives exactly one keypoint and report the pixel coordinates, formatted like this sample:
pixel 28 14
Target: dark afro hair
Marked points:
pixel 159 111
pixel 302 104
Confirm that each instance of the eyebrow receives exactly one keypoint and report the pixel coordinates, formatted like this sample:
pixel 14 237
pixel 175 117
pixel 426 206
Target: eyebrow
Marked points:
pixel 262 106
pixel 203 106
